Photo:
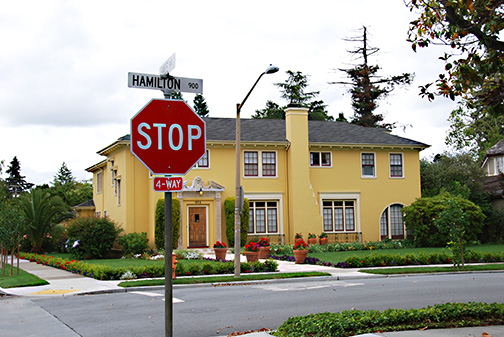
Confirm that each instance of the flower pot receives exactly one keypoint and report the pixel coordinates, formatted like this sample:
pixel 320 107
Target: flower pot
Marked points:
pixel 251 256
pixel 264 252
pixel 323 241
pixel 300 255
pixel 220 253
pixel 312 241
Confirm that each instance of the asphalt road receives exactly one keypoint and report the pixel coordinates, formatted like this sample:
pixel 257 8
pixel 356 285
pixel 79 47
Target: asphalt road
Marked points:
pixel 213 311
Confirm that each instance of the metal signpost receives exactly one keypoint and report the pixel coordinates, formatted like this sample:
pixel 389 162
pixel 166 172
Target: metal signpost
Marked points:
pixel 168 137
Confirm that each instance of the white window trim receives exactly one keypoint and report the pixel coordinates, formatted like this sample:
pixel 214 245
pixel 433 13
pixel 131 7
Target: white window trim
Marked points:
pixel 259 165
pixel 402 166
pixel 343 196
pixel 389 229
pixel 207 222
pixel 375 166
pixel 320 159
pixel 269 197
pixel 99 182
pixel 196 166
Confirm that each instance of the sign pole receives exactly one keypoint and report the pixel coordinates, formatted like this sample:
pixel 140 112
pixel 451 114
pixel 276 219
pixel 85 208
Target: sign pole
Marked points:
pixel 168 264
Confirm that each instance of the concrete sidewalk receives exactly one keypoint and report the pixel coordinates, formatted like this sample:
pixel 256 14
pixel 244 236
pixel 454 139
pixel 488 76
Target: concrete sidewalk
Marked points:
pixel 63 283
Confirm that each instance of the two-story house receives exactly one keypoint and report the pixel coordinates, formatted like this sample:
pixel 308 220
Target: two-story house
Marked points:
pixel 299 176
pixel 493 164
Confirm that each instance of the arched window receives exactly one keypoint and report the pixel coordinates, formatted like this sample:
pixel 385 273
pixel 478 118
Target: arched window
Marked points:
pixel 391 223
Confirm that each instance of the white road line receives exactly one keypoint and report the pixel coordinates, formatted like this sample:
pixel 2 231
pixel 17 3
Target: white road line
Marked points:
pixel 146 293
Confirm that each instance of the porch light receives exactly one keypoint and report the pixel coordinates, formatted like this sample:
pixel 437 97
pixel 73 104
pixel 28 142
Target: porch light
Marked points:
pixel 201 192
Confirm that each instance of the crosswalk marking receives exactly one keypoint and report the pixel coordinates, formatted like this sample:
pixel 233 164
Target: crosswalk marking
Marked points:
pixel 146 293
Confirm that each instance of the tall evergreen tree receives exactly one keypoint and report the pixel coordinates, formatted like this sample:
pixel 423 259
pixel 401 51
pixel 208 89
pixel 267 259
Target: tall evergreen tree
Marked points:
pixel 367 88
pixel 15 182
pixel 200 106
pixel 293 91
pixel 64 176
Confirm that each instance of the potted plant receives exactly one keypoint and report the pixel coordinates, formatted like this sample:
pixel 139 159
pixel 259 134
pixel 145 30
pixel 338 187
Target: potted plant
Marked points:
pixel 323 239
pixel 220 249
pixel 252 252
pixel 298 237
pixel 265 248
pixel 300 251
pixel 312 239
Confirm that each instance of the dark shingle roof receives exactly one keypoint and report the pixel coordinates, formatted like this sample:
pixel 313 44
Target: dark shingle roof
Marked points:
pixel 496 150
pixel 273 130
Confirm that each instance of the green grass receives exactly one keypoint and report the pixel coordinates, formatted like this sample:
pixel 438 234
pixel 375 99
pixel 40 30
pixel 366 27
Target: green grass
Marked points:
pixel 421 270
pixel 220 279
pixel 24 279
pixel 335 257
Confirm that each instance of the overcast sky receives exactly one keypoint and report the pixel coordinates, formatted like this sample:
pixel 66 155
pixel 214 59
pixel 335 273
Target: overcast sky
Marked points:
pixel 64 64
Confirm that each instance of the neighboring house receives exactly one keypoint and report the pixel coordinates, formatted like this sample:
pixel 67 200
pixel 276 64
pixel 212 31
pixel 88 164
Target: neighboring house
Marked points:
pixel 493 164
pixel 87 208
pixel 299 176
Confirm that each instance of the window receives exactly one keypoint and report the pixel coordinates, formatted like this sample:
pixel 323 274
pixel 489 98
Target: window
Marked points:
pixel 339 215
pixel 97 214
pixel 499 165
pixel 320 158
pixel 263 217
pixel 391 223
pixel 368 165
pixel 113 176
pixel 118 189
pixel 99 182
pixel 252 167
pixel 203 162
pixel 396 165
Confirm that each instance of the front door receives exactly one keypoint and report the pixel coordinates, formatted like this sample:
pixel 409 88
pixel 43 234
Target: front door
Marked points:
pixel 197 227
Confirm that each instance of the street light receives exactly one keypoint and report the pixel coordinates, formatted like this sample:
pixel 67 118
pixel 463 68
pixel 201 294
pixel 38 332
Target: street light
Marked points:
pixel 238 203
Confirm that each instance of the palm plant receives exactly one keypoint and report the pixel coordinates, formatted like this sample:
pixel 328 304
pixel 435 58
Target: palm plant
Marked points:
pixel 42 212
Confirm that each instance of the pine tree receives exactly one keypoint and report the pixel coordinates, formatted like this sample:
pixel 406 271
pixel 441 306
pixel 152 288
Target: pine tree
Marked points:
pixel 15 182
pixel 367 87
pixel 200 106
pixel 64 176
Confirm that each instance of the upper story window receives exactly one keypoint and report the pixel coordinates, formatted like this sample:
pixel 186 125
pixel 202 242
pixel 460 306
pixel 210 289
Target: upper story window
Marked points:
pixel 99 182
pixel 320 159
pixel 499 164
pixel 368 165
pixel 204 161
pixel 259 164
pixel 396 165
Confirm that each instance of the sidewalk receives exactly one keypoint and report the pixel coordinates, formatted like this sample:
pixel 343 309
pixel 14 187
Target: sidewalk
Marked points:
pixel 63 283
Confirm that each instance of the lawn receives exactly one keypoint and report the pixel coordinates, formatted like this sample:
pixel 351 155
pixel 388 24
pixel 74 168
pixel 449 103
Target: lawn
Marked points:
pixel 335 257
pixel 24 279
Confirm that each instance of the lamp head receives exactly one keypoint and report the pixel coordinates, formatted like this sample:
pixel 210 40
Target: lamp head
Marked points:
pixel 271 69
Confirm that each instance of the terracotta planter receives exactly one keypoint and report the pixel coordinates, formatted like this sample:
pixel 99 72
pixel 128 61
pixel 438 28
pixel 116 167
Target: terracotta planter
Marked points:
pixel 323 241
pixel 312 241
pixel 264 252
pixel 300 255
pixel 174 262
pixel 220 253
pixel 251 256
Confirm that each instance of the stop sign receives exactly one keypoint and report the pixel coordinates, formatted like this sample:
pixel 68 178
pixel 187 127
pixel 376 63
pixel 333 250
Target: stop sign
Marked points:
pixel 168 137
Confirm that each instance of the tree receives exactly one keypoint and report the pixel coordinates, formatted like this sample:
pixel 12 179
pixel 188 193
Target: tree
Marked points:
pixel 367 88
pixel 15 182
pixel 159 230
pixel 229 205
pixel 64 176
pixel 200 106
pixel 42 212
pixel 472 28
pixel 71 191
pixel 293 91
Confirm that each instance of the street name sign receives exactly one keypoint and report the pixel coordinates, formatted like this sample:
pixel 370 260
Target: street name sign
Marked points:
pixel 168 84
pixel 168 184
pixel 167 66
pixel 168 137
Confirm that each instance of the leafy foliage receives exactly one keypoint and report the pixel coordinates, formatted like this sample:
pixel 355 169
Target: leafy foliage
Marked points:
pixel 420 216
pixel 159 230
pixel 200 106
pixel 91 238
pixel 229 207
pixel 293 91
pixel 134 243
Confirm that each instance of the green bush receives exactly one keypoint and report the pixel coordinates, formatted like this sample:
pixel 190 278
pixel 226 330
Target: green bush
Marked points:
pixel 229 207
pixel 353 322
pixel 134 243
pixel 91 238
pixel 159 230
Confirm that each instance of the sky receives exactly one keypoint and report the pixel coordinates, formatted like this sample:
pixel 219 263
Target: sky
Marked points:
pixel 64 67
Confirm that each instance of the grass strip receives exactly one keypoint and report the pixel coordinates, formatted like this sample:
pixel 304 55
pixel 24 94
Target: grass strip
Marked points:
pixel 220 279
pixel 424 270
pixel 24 279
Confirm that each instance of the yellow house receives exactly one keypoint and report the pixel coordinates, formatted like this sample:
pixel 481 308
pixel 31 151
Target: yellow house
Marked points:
pixel 299 176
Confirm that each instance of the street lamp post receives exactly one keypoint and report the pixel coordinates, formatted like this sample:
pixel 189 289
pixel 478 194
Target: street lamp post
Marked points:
pixel 238 203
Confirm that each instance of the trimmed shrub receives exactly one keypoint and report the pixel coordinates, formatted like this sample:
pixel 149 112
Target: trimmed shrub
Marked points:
pixel 159 230
pixel 91 238
pixel 229 207
pixel 134 243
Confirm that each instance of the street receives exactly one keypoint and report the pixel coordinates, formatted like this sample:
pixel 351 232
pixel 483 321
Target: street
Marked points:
pixel 212 311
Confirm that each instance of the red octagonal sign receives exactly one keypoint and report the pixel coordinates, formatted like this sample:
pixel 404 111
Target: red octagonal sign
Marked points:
pixel 168 137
